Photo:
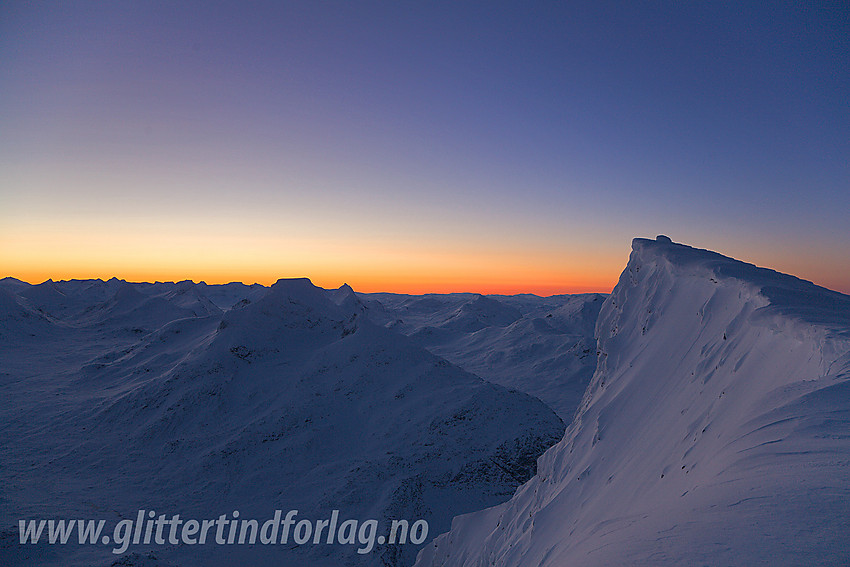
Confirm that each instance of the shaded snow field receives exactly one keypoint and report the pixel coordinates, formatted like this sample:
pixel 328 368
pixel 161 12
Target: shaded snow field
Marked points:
pixel 198 400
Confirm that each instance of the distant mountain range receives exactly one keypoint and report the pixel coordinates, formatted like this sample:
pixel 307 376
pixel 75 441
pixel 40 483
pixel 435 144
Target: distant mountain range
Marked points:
pixel 201 399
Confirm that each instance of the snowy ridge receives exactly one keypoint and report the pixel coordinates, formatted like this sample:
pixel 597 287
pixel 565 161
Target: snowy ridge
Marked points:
pixel 714 430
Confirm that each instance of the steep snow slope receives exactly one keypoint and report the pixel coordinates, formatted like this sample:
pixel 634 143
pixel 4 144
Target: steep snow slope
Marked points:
pixel 543 346
pixel 154 399
pixel 715 431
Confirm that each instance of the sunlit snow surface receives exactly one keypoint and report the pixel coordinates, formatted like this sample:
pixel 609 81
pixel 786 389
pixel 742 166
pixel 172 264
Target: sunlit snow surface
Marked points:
pixel 715 431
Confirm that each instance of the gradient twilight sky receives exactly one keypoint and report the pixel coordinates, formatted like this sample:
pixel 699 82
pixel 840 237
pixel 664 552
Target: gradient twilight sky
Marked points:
pixel 420 146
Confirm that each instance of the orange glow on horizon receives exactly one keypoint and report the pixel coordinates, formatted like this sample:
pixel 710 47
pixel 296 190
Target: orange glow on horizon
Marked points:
pixel 543 290
pixel 505 276
pixel 144 251
pixel 364 283
pixel 450 274
pixel 366 263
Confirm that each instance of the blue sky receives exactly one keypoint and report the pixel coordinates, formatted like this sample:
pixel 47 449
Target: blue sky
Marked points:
pixel 461 146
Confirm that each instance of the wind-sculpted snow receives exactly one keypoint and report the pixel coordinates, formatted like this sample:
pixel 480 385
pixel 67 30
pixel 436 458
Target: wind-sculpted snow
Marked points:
pixel 714 430
pixel 151 397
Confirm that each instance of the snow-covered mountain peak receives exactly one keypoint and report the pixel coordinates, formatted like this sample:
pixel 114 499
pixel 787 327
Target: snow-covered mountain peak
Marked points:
pixel 712 432
pixel 347 299
pixel 297 297
pixel 481 311
pixel 297 291
pixel 786 298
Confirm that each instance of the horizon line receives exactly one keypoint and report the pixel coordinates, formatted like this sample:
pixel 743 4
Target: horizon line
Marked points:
pixel 419 289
